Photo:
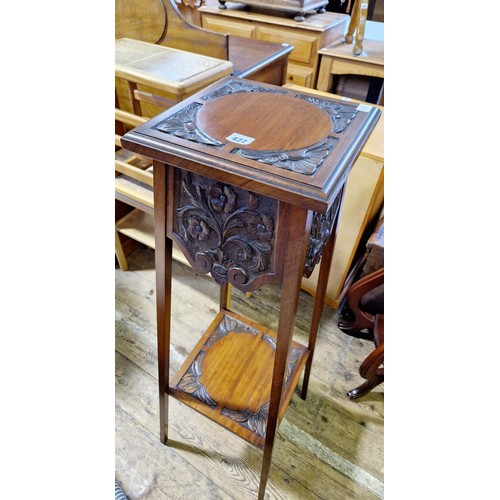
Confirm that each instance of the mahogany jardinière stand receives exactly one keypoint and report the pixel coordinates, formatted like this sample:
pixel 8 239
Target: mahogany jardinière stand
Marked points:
pixel 248 181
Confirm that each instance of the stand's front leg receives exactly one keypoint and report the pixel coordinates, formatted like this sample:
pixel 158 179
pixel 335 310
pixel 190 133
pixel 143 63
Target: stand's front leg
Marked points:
pixel 163 266
pixel 295 253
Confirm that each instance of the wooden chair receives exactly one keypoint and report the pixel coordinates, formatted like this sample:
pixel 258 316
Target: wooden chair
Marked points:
pixel 365 300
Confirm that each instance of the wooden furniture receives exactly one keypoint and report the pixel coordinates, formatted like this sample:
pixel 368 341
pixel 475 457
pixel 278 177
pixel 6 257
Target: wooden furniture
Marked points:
pixel 161 22
pixel 357 23
pixel 307 37
pixel 375 249
pixel 363 201
pixel 134 187
pixel 337 59
pixel 149 78
pixel 369 315
pixel 161 76
pixel 298 8
pixel 248 181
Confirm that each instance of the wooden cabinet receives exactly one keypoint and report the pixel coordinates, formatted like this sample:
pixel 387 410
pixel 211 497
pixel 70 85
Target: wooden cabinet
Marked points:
pixel 307 37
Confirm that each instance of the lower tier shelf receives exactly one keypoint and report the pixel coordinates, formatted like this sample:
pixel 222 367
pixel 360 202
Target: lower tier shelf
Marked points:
pixel 228 375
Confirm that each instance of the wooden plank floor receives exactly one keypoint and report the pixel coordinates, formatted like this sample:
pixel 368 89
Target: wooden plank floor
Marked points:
pixel 327 447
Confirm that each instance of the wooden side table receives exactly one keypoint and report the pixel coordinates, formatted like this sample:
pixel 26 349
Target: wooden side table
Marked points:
pixel 166 75
pixel 249 181
pixel 338 59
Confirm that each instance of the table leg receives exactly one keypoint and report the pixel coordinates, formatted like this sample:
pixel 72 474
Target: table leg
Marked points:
pixel 163 265
pixel 225 297
pixel 292 276
pixel 353 23
pixel 319 298
pixel 325 77
pixel 360 29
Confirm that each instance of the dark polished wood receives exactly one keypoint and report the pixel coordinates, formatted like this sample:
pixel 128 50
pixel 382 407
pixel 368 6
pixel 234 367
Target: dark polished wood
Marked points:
pixel 163 266
pixel 259 60
pixel 255 176
pixel 371 368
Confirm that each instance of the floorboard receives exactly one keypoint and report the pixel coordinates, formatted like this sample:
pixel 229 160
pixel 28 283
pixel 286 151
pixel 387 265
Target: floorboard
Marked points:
pixel 327 447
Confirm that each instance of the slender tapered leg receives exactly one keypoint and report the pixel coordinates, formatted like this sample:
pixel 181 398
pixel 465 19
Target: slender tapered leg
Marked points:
pixel 225 297
pixel 294 267
pixel 163 266
pixel 321 287
pixel 319 301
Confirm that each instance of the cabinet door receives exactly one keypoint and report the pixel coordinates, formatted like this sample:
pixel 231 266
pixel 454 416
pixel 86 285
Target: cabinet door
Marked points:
pixel 245 30
pixel 305 45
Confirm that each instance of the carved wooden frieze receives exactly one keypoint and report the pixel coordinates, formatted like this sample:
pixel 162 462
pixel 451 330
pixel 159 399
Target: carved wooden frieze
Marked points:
pixel 340 114
pixel 303 161
pixel 183 124
pixel 321 230
pixel 234 86
pixel 225 231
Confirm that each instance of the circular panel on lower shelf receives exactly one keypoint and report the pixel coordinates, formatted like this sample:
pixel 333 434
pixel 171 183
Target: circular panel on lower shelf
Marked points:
pixel 237 371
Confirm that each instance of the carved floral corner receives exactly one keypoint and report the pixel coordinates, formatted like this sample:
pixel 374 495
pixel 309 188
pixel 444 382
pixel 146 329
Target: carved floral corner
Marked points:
pixel 190 382
pixel 302 161
pixel 340 115
pixel 184 124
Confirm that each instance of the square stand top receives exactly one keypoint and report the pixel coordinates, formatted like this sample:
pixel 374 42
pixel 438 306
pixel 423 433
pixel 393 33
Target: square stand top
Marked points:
pixel 277 142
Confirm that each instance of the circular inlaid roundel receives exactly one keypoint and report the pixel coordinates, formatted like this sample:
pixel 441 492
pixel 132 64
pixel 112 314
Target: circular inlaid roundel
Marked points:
pixel 275 121
pixel 226 362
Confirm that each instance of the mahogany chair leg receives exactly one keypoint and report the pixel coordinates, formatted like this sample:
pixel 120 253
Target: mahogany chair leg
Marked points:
pixel 362 319
pixel 370 370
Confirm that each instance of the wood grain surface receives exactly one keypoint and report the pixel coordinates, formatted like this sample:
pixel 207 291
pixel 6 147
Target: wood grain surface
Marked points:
pixel 327 447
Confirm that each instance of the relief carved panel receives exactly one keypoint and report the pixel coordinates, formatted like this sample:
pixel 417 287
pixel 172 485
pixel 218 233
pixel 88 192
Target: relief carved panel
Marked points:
pixel 224 230
pixel 321 230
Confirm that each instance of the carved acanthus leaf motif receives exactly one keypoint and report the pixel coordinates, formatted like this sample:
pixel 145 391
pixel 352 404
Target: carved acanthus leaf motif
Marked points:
pixel 303 161
pixel 227 325
pixel 223 229
pixel 255 422
pixel 183 124
pixel 321 229
pixel 340 114
pixel 191 384
pixel 233 87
